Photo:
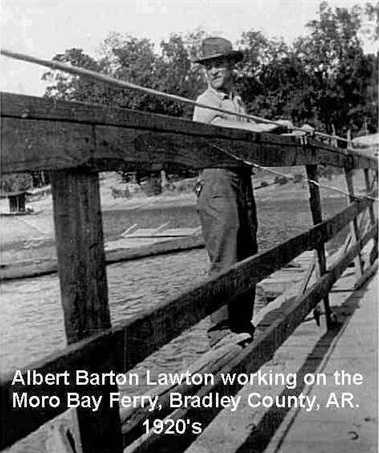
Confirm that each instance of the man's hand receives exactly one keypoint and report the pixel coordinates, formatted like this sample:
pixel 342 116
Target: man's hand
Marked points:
pixel 287 124
pixel 306 129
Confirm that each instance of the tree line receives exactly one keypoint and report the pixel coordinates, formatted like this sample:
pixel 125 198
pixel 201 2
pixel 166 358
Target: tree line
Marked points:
pixel 323 78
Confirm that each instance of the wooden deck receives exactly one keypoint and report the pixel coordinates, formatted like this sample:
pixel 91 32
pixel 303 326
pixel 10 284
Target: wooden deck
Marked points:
pixel 354 349
pixel 351 347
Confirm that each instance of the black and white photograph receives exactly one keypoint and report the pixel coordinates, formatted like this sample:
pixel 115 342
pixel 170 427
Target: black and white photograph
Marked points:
pixel 189 226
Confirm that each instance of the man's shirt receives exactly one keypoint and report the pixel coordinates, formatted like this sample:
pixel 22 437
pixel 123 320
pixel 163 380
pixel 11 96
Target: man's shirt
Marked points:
pixel 219 99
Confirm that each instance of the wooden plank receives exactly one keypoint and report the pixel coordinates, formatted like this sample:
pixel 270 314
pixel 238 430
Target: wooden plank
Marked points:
pixel 250 359
pixel 17 423
pixel 354 228
pixel 369 188
pixel 316 210
pixel 368 273
pixel 26 143
pixel 84 292
pixel 307 277
pixel 142 140
pixel 31 107
pixel 34 145
pixel 210 362
pixel 162 323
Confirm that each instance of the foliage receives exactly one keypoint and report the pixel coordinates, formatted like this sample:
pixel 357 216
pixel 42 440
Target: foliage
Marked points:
pixel 342 76
pixel 15 182
pixel 324 78
pixel 133 60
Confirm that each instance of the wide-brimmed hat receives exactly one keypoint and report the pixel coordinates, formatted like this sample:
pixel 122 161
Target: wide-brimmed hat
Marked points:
pixel 212 48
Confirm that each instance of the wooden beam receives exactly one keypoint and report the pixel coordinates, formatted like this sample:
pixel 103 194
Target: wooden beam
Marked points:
pixel 369 187
pixel 25 145
pixel 17 423
pixel 250 359
pixel 40 134
pixel 163 323
pixel 316 209
pixel 211 362
pixel 354 227
pixel 84 292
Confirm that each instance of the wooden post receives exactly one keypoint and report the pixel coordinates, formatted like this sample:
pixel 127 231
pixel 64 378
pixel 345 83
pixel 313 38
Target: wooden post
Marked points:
pixel 315 204
pixel 361 225
pixel 84 293
pixel 369 188
pixel 354 229
pixel 17 202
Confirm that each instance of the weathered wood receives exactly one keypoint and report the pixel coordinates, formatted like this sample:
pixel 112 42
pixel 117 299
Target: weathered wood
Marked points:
pixel 308 275
pixel 58 440
pixel 31 126
pixel 80 252
pixel 354 228
pixel 84 292
pixel 367 274
pixel 129 339
pixel 362 223
pixel 251 358
pixel 212 362
pixel 18 423
pixel 316 210
pixel 57 144
pixel 369 188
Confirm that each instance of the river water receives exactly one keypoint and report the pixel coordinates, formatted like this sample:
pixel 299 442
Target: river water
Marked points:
pixel 31 321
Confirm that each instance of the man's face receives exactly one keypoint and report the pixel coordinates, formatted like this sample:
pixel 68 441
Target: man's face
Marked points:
pixel 219 73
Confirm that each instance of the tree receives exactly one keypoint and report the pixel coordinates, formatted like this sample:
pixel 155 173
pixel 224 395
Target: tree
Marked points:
pixel 134 60
pixel 324 78
pixel 68 87
pixel 340 73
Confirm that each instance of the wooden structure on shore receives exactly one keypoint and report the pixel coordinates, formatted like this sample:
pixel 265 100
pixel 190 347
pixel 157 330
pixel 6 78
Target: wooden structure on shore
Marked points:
pixel 74 142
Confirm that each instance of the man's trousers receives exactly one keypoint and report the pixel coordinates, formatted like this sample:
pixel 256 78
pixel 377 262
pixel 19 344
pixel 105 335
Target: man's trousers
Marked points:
pixel 228 218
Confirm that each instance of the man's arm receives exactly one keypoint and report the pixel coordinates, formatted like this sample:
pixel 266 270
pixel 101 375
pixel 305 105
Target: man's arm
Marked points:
pixel 204 115
pixel 282 126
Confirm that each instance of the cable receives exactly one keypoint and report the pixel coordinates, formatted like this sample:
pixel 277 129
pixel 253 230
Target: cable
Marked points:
pixel 275 172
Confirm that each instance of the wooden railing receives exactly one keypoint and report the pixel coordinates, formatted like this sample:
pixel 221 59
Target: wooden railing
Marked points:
pixel 74 141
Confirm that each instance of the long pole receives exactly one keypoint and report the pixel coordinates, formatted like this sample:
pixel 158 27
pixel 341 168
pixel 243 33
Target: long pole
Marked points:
pixel 92 75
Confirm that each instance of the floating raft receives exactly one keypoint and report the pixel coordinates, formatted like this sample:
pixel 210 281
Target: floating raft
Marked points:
pixel 135 243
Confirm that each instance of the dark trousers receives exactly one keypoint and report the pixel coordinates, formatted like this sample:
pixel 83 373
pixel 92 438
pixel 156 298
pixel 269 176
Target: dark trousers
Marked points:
pixel 228 218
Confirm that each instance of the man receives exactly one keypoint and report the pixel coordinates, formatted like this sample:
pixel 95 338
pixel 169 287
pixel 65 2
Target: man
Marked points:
pixel 225 196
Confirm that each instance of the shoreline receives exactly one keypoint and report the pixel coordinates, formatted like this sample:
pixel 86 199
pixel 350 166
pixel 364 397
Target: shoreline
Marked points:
pixel 26 234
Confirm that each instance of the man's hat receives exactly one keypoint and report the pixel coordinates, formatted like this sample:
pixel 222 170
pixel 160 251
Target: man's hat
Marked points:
pixel 212 48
